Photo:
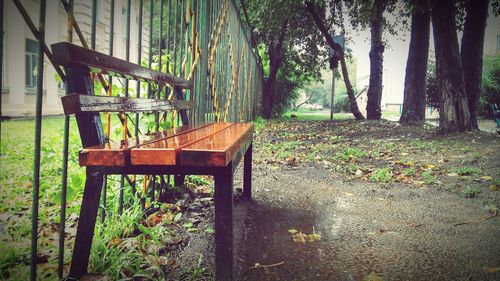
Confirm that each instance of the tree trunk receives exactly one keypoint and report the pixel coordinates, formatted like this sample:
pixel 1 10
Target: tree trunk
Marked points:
pixel 269 90
pixel 416 67
pixel 472 53
pixel 376 61
pixel 338 49
pixel 454 110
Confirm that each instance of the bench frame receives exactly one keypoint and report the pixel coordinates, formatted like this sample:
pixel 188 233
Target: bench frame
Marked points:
pixel 79 81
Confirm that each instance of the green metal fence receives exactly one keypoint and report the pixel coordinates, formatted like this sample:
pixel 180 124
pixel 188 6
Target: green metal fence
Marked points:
pixel 200 40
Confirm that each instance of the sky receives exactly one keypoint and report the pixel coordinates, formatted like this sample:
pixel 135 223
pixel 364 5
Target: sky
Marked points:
pixel 396 54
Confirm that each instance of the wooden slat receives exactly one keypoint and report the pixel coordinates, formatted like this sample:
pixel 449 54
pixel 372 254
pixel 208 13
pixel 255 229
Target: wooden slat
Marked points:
pixel 220 148
pixel 118 153
pixel 77 103
pixel 67 54
pixel 164 152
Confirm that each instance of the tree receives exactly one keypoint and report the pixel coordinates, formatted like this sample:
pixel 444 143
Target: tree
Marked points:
pixel 416 66
pixel 454 109
pixel 374 94
pixel 282 30
pixel 472 53
pixel 341 56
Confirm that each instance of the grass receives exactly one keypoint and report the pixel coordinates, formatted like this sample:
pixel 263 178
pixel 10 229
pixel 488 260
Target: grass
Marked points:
pixel 428 177
pixel 352 152
pixel 381 175
pixel 466 171
pixel 470 191
pixel 123 247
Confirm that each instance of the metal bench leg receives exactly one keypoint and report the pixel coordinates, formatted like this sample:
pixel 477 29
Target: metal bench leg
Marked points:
pixel 224 224
pixel 86 224
pixel 247 174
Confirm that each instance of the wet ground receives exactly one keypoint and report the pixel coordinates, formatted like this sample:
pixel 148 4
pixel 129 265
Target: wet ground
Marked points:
pixel 321 210
pixel 395 233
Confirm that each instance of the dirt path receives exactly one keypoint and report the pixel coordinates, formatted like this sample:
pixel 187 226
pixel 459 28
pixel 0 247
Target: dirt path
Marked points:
pixel 367 201
pixel 405 228
pixel 396 233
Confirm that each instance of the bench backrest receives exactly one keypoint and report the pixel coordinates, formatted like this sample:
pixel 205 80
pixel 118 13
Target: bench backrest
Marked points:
pixel 80 62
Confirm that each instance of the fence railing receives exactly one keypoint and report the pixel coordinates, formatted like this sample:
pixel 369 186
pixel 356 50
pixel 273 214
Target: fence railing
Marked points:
pixel 200 40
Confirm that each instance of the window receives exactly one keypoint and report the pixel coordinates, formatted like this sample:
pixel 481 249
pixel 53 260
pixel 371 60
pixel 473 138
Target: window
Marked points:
pixel 31 63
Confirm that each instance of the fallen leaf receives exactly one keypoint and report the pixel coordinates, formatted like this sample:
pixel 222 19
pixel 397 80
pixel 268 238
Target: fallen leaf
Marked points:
pixel 299 237
pixel 494 187
pixel 452 175
pixel 486 178
pixel 115 242
pixel 491 269
pixel 292 231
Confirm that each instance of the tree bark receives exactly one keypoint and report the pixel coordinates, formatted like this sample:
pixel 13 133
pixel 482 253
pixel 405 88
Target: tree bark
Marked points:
pixel 275 53
pixel 416 67
pixel 338 50
pixel 472 53
pixel 454 110
pixel 269 90
pixel 374 94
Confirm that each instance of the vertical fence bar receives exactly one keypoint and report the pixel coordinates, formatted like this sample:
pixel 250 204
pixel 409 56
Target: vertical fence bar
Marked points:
pixel 38 139
pixel 139 56
pixel 93 26
pixel 110 85
pixel 1 72
pixel 175 36
pixel 64 176
pixel 167 40
pixel 150 47
pixel 127 57
pixel 160 38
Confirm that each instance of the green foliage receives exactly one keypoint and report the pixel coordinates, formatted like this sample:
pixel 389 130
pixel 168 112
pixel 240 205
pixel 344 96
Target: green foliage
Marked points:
pixel 409 171
pixel 259 123
pixel 490 85
pixel 428 177
pixel 470 191
pixel 432 86
pixel 466 171
pixel 381 175
pixel 352 152
pixel 288 45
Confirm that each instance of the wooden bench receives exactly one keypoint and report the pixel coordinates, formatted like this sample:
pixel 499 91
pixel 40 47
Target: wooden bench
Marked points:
pixel 201 149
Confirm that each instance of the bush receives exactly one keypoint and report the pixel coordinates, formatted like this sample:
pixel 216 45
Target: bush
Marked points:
pixel 490 85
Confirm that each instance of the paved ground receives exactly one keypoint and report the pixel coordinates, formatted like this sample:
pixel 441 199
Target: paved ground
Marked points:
pixel 309 221
pixel 366 232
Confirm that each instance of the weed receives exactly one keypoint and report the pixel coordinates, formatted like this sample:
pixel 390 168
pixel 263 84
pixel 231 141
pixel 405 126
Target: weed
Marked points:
pixel 197 272
pixel 381 175
pixel 350 153
pixel 409 171
pixel 259 123
pixel 428 177
pixel 470 191
pixel 466 170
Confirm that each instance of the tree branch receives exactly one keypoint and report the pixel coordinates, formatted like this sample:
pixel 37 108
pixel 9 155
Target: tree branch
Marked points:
pixel 338 50
pixel 253 39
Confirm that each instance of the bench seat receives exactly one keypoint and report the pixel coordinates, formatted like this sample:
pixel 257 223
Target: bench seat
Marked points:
pixel 211 144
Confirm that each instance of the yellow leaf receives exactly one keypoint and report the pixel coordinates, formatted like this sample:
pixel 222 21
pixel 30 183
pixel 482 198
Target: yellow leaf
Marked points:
pixel 493 187
pixel 292 231
pixel 486 178
pixel 491 269
pixel 313 237
pixel 372 277
pixel 115 242
pixel 299 237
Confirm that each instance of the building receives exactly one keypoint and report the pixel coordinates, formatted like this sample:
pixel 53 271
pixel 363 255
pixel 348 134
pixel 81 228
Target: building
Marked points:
pixel 20 57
